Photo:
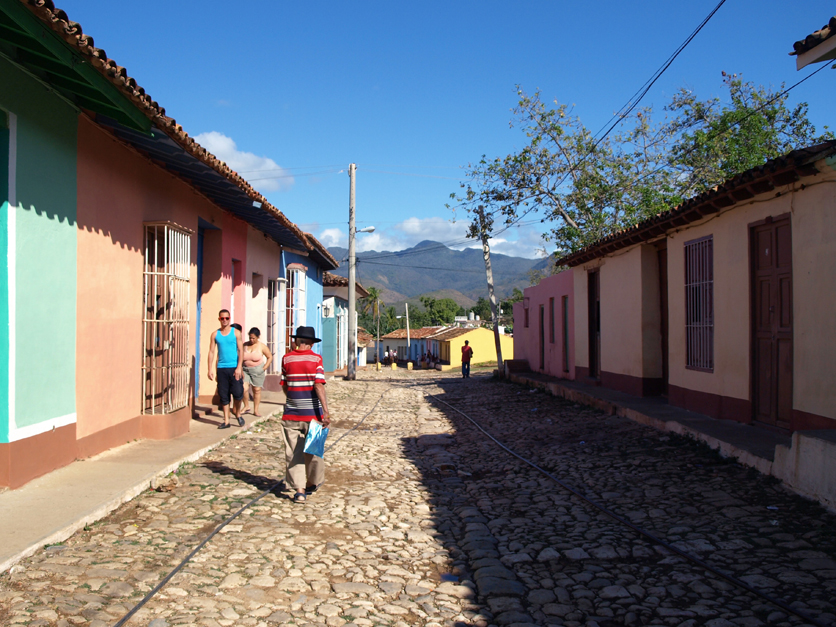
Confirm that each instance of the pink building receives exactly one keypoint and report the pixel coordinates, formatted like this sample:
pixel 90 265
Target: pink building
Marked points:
pixel 544 327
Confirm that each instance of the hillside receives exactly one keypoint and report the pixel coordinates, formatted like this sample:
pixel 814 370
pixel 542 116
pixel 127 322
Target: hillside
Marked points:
pixel 431 267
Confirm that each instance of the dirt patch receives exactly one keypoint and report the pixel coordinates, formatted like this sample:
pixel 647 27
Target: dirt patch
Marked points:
pixel 337 477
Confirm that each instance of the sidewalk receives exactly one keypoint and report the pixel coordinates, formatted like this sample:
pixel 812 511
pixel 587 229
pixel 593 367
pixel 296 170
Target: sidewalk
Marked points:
pixel 50 509
pixel 804 461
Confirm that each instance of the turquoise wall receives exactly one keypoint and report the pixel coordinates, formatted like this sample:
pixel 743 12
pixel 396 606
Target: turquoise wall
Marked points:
pixel 44 247
pixel 4 276
pixel 313 292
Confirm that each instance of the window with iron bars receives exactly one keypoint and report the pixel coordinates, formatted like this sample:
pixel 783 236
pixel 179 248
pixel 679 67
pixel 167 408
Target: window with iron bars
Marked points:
pixel 699 304
pixel 166 354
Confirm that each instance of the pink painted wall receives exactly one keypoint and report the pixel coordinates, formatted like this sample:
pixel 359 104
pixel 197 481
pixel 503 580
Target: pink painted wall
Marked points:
pixel 118 190
pixel 527 339
pixel 234 249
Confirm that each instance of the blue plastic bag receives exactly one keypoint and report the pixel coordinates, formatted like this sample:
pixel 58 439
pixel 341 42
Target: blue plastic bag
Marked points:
pixel 315 440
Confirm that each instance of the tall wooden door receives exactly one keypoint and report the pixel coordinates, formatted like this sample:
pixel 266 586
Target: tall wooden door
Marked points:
pixel 771 285
pixel 594 295
pixel 542 337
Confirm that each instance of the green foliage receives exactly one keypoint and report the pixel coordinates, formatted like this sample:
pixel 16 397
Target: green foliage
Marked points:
pixel 439 311
pixel 719 140
pixel 483 308
pixel 588 189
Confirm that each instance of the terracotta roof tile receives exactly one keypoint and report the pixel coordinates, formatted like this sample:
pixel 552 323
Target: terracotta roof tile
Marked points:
pixel 72 33
pixel 415 334
pixel 329 279
pixel 451 334
pixel 774 173
pixel 814 39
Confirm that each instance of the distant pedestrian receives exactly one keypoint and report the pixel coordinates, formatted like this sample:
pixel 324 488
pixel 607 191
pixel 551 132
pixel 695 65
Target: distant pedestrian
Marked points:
pixel 230 348
pixel 467 355
pixel 257 359
pixel 303 380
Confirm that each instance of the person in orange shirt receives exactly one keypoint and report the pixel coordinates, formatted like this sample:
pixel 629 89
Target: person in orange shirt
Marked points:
pixel 467 355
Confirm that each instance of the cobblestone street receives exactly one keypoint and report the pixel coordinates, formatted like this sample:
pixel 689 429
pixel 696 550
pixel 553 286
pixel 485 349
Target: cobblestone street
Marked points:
pixel 423 521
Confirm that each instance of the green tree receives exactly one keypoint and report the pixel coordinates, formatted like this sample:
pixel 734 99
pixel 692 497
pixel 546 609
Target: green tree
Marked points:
pixel 372 302
pixel 440 311
pixel 482 308
pixel 588 188
pixel 717 140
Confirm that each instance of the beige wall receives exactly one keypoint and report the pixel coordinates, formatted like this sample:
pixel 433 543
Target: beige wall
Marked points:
pixel 621 314
pixel 813 221
pixel 631 341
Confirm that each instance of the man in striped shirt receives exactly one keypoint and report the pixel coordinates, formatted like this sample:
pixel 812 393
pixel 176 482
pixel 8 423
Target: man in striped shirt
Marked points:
pixel 303 381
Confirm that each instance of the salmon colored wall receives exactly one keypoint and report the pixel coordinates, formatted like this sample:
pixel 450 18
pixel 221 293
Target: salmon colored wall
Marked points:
pixel 118 190
pixel 527 340
pixel 235 248
pixel 211 286
pixel 813 223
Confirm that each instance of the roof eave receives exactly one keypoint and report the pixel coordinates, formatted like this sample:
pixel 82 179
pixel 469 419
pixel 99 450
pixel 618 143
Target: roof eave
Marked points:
pixel 774 173
pixel 825 51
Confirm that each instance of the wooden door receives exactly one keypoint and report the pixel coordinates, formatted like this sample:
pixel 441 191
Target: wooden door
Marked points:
pixel 771 286
pixel 594 295
pixel 662 254
pixel 542 337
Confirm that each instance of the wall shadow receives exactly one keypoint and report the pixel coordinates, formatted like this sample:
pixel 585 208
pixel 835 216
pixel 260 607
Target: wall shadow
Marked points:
pixel 536 554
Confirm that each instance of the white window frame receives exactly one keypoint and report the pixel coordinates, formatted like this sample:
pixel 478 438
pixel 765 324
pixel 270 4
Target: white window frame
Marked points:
pixel 295 299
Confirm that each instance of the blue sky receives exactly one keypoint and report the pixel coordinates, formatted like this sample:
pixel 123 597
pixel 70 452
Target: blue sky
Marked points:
pixel 290 93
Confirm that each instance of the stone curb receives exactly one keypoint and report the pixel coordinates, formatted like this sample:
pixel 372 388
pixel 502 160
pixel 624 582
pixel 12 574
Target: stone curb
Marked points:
pixel 126 495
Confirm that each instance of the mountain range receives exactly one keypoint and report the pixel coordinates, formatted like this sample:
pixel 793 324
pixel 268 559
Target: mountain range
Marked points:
pixel 431 268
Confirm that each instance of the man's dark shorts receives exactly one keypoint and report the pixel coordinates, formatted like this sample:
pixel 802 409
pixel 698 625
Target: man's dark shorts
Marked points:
pixel 227 383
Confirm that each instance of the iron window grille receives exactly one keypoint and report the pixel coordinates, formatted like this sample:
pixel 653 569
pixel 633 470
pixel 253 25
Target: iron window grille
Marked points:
pixel 699 304
pixel 166 360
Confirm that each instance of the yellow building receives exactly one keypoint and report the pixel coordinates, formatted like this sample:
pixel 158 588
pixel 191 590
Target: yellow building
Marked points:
pixel 449 344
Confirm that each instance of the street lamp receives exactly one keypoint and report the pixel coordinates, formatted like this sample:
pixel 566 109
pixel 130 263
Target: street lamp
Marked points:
pixel 352 296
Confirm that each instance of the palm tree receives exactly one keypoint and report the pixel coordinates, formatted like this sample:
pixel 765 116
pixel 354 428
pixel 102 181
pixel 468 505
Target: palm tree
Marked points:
pixel 372 302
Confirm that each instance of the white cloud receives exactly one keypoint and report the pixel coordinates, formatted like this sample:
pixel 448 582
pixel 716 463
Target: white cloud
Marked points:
pixel 333 237
pixel 261 172
pixel 516 242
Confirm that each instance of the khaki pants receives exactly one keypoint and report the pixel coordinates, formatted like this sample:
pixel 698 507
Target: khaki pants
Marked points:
pixel 302 469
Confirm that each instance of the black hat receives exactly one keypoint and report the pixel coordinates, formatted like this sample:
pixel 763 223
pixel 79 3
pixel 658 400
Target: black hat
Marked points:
pixel 306 333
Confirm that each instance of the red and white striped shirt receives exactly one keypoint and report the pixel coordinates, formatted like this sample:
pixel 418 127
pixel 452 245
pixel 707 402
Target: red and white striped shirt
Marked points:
pixel 301 370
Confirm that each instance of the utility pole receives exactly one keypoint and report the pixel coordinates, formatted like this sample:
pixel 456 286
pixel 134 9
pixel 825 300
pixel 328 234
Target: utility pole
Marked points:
pixel 352 296
pixel 377 345
pixel 406 305
pixel 486 253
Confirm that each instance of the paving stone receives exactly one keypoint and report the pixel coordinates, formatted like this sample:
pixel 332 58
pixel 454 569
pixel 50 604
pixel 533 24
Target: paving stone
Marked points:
pixel 417 495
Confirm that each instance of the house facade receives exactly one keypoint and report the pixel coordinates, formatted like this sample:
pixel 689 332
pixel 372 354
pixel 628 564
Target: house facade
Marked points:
pixel 120 239
pixel 544 333
pixel 721 303
pixel 335 322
